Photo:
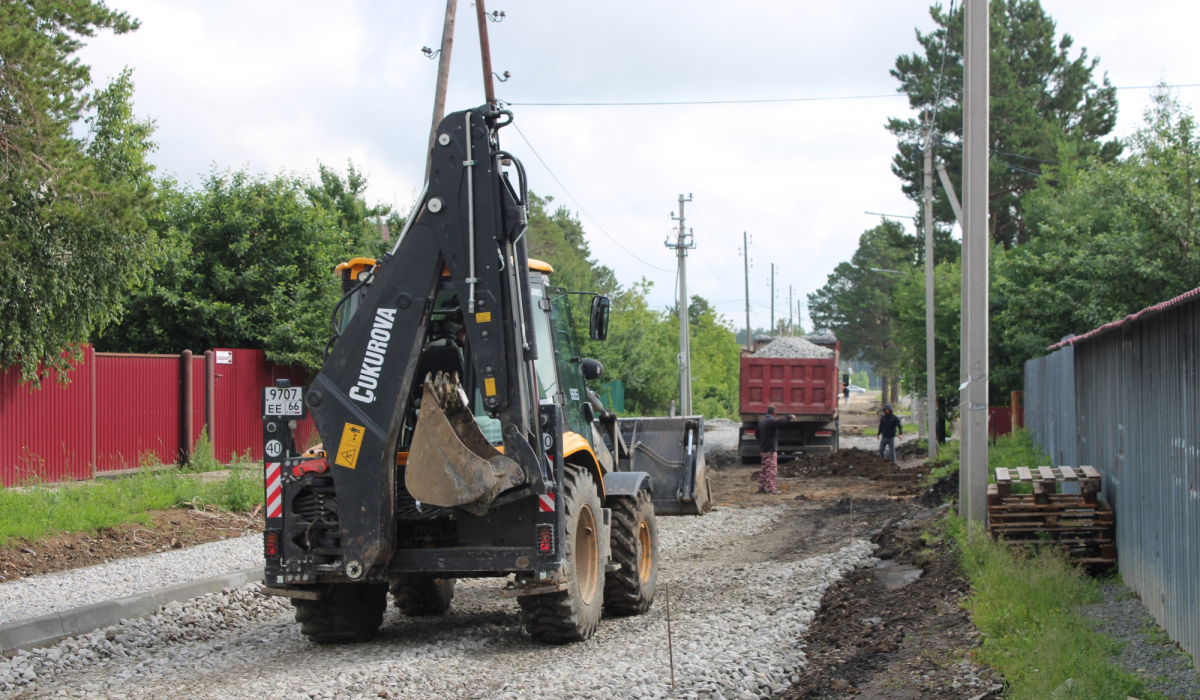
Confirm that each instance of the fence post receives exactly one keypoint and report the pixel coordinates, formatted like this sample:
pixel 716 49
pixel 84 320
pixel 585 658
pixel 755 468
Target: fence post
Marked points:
pixel 186 441
pixel 210 399
pixel 91 356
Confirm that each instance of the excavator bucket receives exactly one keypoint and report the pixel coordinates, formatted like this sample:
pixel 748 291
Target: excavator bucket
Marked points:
pixel 671 450
pixel 450 462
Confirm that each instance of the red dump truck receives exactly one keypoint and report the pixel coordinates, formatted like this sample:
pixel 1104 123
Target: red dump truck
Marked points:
pixel 806 387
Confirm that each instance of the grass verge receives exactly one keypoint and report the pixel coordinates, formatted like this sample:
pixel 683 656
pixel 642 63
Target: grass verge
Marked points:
pixel 34 512
pixel 1025 602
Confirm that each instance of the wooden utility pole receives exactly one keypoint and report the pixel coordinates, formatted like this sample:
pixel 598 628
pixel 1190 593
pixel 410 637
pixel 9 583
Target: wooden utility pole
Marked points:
pixel 486 51
pixel 443 78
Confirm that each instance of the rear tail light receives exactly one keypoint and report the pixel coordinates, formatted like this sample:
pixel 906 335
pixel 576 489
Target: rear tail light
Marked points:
pixel 271 544
pixel 545 539
pixel 823 433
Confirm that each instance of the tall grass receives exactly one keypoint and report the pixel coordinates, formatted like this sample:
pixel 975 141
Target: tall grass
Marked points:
pixel 37 511
pixel 1025 602
pixel 1016 449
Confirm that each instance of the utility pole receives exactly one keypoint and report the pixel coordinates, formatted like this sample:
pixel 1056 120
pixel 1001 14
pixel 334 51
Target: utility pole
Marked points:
pixel 975 266
pixel 791 328
pixel 682 244
pixel 485 51
pixel 443 78
pixel 772 298
pixel 930 366
pixel 746 264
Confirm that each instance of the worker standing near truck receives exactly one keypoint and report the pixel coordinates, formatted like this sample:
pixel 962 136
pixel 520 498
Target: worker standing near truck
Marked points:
pixel 768 438
pixel 889 428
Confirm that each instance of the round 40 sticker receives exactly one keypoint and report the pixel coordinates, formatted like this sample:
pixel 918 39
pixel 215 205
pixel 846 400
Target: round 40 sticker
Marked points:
pixel 274 448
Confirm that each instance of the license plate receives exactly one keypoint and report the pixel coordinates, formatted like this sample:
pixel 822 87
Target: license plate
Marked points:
pixel 283 402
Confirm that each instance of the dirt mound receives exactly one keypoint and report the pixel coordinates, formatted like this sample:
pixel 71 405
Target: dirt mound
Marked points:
pixel 911 449
pixel 848 462
pixel 936 495
pixel 722 459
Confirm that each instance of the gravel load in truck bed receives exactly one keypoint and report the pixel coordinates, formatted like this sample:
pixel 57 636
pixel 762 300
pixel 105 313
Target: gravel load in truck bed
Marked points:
pixel 787 346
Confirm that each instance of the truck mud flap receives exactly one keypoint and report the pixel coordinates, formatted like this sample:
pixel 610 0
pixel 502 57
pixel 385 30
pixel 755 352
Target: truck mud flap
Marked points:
pixel 671 450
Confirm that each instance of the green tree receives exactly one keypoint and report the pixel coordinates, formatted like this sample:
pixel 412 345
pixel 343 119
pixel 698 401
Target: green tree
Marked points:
pixel 856 301
pixel 1112 238
pixel 1042 98
pixel 640 350
pixel 73 237
pixel 908 329
pixel 247 262
pixel 716 363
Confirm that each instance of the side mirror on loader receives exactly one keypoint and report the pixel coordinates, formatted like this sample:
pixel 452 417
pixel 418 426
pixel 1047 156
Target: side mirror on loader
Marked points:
pixel 599 321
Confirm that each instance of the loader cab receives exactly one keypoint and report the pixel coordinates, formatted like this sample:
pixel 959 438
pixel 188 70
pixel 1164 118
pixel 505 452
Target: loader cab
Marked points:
pixel 558 360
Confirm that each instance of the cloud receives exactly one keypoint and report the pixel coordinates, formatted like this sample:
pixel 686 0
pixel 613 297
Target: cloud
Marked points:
pixel 279 86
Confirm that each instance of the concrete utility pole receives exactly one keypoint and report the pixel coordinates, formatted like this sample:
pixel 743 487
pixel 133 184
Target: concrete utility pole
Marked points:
pixel 930 366
pixel 975 267
pixel 443 78
pixel 772 331
pixel 682 244
pixel 791 328
pixel 746 265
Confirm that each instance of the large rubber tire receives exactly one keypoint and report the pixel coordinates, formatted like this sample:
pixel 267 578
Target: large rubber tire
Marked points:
pixel 572 615
pixel 630 589
pixel 422 595
pixel 349 613
pixel 751 460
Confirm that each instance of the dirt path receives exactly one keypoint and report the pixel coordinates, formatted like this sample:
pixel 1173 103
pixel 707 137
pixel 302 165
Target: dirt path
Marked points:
pixel 174 528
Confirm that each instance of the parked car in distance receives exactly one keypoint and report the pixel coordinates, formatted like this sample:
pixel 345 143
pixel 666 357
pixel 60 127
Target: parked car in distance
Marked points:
pixel 857 389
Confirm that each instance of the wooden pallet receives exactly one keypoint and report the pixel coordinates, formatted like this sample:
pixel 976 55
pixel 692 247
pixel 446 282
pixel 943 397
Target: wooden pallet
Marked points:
pixel 1081 522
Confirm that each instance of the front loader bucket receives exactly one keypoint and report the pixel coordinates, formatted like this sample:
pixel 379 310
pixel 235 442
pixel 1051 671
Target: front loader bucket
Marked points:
pixel 671 450
pixel 450 462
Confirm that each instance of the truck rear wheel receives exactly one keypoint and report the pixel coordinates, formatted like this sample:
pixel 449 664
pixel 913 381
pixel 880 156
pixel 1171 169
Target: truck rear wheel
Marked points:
pixel 349 613
pixel 572 615
pixel 630 589
pixel 422 595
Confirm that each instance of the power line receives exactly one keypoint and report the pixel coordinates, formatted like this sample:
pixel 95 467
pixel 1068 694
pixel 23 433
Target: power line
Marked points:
pixel 589 216
pixel 830 98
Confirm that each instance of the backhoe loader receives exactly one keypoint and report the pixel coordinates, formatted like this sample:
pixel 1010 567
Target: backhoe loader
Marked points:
pixel 459 438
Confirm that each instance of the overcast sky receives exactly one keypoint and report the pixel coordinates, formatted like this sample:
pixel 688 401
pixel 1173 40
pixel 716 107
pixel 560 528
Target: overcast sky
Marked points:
pixel 279 86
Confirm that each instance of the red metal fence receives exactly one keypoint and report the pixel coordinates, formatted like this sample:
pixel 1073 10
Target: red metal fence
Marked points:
pixel 118 411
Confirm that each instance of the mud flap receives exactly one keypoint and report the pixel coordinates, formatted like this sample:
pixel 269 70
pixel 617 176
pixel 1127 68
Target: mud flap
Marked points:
pixel 450 462
pixel 671 451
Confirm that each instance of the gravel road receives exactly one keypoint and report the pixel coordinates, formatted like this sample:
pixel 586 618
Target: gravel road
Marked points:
pixel 1146 650
pixel 736 626
pixel 40 595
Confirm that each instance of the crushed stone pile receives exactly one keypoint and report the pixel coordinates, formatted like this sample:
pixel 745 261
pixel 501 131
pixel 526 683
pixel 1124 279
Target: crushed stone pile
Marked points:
pixel 787 346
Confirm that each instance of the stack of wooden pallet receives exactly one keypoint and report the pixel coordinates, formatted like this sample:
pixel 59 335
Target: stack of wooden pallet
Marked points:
pixel 1082 522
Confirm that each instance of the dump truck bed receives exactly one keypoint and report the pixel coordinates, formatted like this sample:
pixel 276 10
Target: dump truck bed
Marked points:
pixel 804 387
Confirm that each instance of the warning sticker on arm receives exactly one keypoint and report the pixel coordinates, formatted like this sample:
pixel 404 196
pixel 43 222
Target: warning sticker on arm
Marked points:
pixel 347 452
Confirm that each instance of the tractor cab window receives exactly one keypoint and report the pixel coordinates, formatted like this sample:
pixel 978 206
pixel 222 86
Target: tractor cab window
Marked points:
pixel 547 375
pixel 567 358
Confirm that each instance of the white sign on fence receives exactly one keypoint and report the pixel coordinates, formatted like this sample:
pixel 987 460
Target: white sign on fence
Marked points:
pixel 224 357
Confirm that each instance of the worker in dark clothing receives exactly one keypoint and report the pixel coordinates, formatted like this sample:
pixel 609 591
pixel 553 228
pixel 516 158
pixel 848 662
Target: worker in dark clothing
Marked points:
pixel 889 428
pixel 768 444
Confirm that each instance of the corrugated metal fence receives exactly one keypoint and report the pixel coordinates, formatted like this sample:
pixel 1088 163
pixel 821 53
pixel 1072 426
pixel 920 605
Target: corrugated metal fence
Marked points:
pixel 1127 401
pixel 120 410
